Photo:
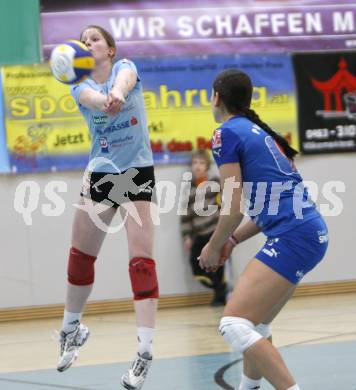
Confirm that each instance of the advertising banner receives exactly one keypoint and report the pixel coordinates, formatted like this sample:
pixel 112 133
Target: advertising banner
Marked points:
pixel 4 157
pixel 165 27
pixel 46 132
pixel 326 86
pixel 177 97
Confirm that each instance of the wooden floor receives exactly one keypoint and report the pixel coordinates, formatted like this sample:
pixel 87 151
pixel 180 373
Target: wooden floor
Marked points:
pixel 31 345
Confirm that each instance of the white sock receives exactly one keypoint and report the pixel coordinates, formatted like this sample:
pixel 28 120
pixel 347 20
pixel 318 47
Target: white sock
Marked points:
pixel 249 384
pixel 144 336
pixel 294 387
pixel 70 321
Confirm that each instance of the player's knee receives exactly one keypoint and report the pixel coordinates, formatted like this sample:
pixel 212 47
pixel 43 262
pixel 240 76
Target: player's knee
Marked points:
pixel 264 330
pixel 143 277
pixel 239 332
pixel 80 268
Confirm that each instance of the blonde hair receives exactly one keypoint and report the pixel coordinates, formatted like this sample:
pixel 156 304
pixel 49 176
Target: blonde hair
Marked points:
pixel 202 154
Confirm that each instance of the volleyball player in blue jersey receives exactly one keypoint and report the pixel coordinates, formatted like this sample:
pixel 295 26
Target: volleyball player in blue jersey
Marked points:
pixel 112 103
pixel 256 162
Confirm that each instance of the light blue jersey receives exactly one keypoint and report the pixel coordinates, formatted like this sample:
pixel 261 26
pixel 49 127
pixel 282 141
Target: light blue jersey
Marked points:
pixel 279 201
pixel 122 139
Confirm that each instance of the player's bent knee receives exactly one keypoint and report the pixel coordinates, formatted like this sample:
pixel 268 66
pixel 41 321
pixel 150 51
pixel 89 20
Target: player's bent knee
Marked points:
pixel 239 332
pixel 143 277
pixel 80 268
pixel 264 330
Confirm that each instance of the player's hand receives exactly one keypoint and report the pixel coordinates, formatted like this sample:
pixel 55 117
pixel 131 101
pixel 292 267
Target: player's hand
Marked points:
pixel 225 252
pixel 114 102
pixel 209 258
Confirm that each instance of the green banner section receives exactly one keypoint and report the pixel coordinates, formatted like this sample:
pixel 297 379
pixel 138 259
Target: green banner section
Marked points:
pixel 20 30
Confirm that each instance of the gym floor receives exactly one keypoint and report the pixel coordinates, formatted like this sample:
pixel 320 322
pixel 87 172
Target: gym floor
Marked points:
pixel 316 335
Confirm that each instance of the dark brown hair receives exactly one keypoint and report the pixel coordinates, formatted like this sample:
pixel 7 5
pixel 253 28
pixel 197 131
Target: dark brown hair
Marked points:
pixel 235 91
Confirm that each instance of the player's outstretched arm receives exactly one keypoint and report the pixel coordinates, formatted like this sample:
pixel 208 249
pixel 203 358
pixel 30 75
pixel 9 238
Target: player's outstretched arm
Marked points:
pixel 230 213
pixel 229 219
pixel 93 100
pixel 125 81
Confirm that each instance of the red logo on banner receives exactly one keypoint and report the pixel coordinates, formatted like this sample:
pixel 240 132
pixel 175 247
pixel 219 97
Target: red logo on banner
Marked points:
pixel 333 90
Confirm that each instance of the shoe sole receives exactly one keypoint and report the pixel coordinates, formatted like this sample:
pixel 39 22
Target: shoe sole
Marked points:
pixel 129 387
pixel 61 369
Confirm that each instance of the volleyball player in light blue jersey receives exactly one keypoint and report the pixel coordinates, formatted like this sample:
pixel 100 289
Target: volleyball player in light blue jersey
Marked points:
pixel 255 161
pixel 120 173
pixel 123 139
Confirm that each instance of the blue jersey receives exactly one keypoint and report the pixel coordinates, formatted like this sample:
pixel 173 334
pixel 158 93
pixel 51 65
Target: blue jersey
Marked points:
pixel 122 140
pixel 278 200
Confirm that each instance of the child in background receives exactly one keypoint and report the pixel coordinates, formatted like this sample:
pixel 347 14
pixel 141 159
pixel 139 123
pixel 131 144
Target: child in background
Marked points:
pixel 197 229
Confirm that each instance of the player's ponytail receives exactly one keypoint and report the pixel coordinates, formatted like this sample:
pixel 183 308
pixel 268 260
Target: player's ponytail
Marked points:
pixel 281 141
pixel 235 91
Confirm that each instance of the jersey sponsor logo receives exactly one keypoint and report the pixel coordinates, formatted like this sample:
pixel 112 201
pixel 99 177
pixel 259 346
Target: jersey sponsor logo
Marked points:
pixel 118 126
pixel 270 252
pixel 121 125
pixel 133 121
pixel 216 143
pixel 272 241
pixel 127 106
pixel 104 144
pixel 323 236
pixel 299 274
pixel 100 119
pixel 256 129
pixel 122 141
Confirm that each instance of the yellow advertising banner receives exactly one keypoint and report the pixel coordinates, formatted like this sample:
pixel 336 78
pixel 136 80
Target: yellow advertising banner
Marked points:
pixel 45 130
pixel 178 91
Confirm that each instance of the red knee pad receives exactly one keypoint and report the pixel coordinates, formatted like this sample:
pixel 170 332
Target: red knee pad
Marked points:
pixel 143 278
pixel 80 268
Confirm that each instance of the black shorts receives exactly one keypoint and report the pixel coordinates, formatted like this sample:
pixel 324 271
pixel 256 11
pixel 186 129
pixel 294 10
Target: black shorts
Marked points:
pixel 114 189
